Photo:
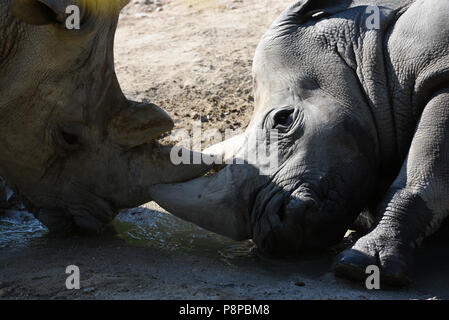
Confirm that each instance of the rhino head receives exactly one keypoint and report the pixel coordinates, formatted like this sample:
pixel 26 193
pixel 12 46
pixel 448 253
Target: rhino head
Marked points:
pixel 71 144
pixel 327 156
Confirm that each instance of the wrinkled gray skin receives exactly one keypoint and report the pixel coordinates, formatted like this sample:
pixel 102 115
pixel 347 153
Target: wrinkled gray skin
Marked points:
pixel 71 144
pixel 363 120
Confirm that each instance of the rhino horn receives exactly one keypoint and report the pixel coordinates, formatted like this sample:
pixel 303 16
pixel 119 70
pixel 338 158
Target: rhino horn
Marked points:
pixel 140 124
pixel 227 150
pixel 218 203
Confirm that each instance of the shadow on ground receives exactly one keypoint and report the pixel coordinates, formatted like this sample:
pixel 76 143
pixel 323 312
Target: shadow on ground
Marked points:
pixel 149 254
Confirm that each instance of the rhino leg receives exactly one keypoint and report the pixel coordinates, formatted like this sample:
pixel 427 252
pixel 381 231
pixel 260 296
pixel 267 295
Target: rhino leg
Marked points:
pixel 415 206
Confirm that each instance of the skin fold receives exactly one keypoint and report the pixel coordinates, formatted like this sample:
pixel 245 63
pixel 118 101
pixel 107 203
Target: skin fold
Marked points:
pixel 362 117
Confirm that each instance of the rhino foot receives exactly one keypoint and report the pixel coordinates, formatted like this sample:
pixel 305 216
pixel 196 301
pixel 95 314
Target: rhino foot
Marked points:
pixel 391 256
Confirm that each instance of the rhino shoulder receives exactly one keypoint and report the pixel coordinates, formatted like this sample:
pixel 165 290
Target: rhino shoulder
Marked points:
pixel 419 50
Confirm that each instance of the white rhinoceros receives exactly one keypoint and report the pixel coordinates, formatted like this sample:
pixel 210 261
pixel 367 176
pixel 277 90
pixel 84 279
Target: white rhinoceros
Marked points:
pixel 358 92
pixel 71 144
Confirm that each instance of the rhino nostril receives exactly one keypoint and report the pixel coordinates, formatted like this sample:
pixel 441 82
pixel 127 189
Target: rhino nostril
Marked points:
pixel 297 206
pixel 300 201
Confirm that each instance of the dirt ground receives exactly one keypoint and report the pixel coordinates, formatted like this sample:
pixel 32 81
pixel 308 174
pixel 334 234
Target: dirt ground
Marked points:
pixel 193 58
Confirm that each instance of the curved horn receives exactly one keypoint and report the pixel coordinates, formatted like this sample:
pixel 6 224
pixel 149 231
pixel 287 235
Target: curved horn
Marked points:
pixel 139 124
pixel 227 150
pixel 219 203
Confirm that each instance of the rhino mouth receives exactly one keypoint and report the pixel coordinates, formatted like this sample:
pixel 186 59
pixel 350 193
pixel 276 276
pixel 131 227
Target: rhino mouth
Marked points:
pixel 278 218
pixel 303 216
pixel 67 220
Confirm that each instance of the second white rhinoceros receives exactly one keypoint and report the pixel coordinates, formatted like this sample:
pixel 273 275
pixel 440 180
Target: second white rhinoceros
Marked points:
pixel 71 144
pixel 358 92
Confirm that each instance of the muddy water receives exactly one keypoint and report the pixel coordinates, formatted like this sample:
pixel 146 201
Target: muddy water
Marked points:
pixel 139 227
pixel 18 228
pixel 147 227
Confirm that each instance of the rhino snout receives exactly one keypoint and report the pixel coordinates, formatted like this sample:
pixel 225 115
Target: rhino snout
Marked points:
pixel 279 230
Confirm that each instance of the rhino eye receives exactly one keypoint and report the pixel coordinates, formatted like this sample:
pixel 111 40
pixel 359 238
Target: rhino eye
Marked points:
pixel 69 138
pixel 284 118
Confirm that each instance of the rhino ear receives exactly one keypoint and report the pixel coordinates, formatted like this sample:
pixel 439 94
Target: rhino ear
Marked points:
pixel 40 12
pixel 304 10
pixel 139 124
pixel 123 3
